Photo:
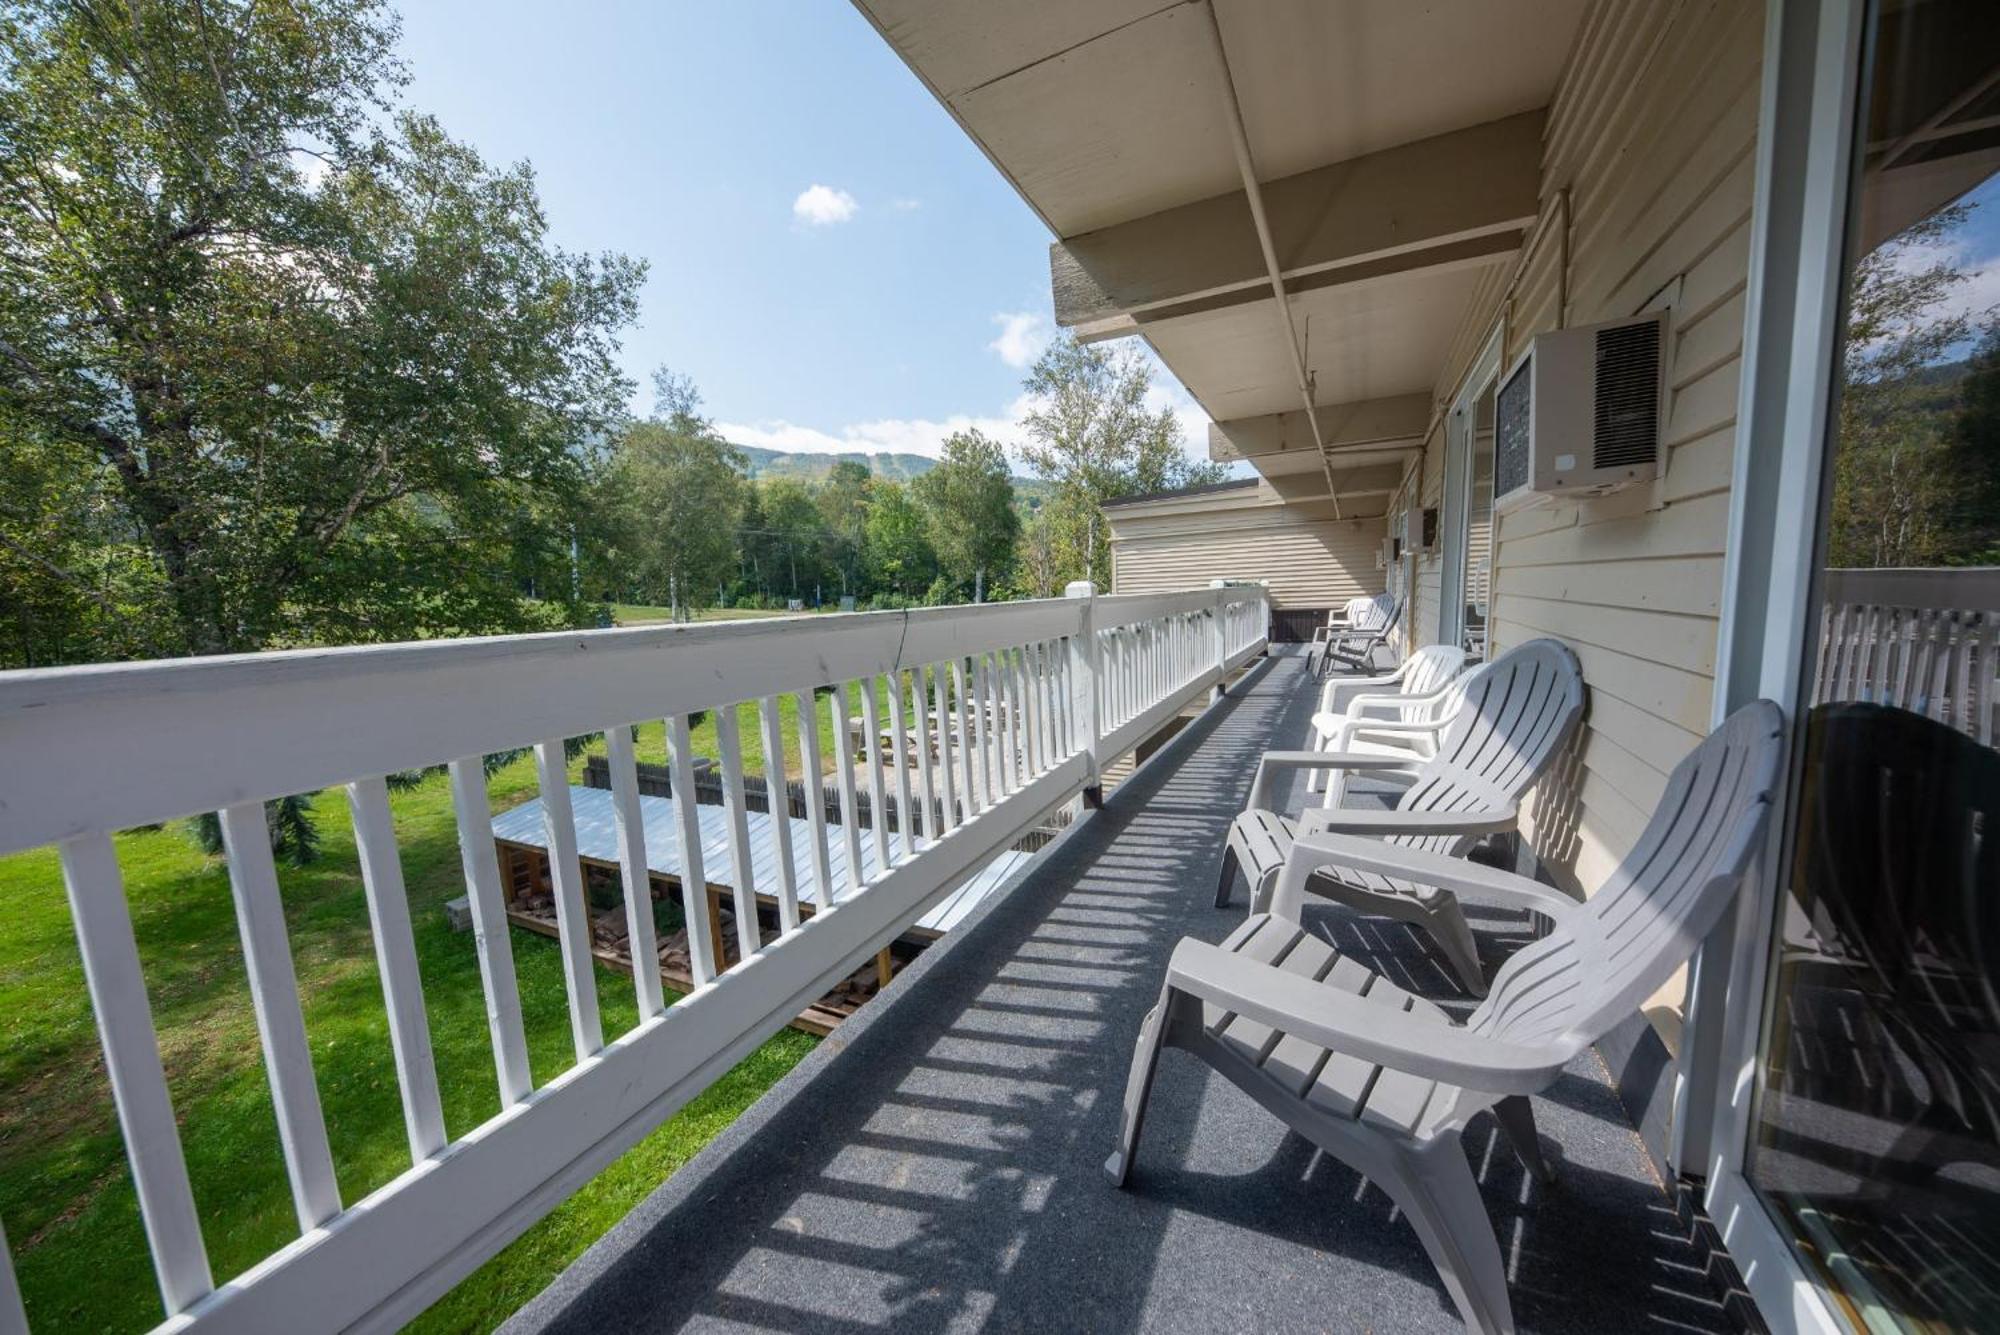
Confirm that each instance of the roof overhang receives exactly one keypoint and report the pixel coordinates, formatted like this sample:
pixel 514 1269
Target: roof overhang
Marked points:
pixel 1394 150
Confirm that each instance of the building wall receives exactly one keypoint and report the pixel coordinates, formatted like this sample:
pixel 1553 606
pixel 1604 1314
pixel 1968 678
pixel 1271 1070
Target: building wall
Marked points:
pixel 1306 562
pixel 1652 131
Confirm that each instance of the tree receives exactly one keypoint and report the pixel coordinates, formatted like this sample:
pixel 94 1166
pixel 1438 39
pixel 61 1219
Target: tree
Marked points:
pixel 798 534
pixel 331 368
pixel 681 490
pixel 968 501
pixel 1974 447
pixel 1894 485
pixel 843 505
pixel 898 542
pixel 1040 556
pixel 1091 433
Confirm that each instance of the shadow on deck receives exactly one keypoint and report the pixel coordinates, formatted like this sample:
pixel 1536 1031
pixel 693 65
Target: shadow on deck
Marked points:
pixel 935 1165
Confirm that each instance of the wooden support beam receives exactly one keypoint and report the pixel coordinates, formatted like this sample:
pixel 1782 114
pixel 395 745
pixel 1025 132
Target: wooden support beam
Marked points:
pixel 1371 424
pixel 1449 199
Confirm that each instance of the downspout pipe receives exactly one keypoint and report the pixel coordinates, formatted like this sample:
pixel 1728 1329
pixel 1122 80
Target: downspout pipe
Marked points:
pixel 1239 141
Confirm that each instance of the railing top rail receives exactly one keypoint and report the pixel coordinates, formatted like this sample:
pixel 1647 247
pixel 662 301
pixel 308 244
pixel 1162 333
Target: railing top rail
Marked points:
pixel 1958 588
pixel 99 749
pixel 1124 608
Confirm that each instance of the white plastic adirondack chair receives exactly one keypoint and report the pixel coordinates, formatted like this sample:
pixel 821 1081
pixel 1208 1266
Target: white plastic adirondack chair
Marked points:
pixel 1520 711
pixel 1355 647
pixel 1361 616
pixel 1346 615
pixel 1385 1080
pixel 1419 692
pixel 1409 742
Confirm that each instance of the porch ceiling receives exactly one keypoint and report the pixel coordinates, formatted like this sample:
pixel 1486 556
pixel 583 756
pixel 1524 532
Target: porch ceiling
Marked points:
pixel 1396 148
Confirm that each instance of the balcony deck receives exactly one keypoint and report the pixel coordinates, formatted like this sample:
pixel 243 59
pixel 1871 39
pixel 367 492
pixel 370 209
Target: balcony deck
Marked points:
pixel 936 1164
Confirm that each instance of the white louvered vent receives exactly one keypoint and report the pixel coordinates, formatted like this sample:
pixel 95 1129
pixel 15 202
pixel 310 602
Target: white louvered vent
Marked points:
pixel 1627 396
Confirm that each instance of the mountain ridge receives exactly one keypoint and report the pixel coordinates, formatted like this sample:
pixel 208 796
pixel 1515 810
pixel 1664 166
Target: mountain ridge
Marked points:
pixel 890 465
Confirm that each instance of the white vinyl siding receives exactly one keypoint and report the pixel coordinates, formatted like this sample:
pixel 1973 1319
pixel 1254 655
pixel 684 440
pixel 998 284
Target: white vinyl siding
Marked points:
pixel 1306 562
pixel 1652 131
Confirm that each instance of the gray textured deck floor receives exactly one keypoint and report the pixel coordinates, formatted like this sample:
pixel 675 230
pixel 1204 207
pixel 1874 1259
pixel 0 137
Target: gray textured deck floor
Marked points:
pixel 935 1165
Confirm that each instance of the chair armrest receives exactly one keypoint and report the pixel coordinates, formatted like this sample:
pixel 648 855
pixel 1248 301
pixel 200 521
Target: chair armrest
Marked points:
pixel 1325 820
pixel 1414 1041
pixel 1416 700
pixel 1275 763
pixel 1343 726
pixel 1471 881
pixel 1334 696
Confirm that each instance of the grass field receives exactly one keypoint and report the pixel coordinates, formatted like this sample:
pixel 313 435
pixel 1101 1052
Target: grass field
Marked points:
pixel 639 614
pixel 66 1198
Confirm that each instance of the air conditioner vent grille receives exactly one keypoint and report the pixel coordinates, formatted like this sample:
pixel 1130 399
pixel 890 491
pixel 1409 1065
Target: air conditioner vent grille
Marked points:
pixel 1627 396
pixel 1513 457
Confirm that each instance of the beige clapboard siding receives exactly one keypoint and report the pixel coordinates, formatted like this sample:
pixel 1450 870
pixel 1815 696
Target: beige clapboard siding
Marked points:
pixel 1306 563
pixel 1652 131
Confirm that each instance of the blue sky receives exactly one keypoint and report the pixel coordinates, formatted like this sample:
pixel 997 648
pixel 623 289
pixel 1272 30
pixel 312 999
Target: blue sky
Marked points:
pixel 899 299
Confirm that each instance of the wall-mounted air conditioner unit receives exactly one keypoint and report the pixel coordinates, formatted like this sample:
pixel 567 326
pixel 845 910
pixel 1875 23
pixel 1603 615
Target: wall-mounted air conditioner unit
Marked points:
pixel 1579 413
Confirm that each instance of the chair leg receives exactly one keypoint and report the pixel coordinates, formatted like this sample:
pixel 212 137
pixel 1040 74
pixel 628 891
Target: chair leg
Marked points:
pixel 1434 1185
pixel 1517 1118
pixel 1227 882
pixel 1138 1087
pixel 1447 926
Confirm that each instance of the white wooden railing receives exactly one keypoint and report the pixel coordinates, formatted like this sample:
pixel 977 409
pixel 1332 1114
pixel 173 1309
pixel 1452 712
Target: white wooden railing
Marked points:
pixel 1922 639
pixel 1038 698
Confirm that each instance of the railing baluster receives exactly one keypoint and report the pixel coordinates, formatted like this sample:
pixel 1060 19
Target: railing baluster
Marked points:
pixel 489 928
pixel 779 805
pixel 925 737
pixel 843 748
pixel 971 732
pixel 947 762
pixel 1031 714
pixel 117 988
pixel 729 741
pixel 1064 722
pixel 274 996
pixel 906 822
pixel 1031 698
pixel 702 962
pixel 813 785
pixel 13 1316
pixel 586 1030
pixel 623 762
pixel 1003 724
pixel 1024 717
pixel 961 724
pixel 396 960
pixel 871 748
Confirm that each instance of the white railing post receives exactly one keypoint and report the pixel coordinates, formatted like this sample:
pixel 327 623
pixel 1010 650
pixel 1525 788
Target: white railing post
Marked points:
pixel 1221 587
pixel 1085 690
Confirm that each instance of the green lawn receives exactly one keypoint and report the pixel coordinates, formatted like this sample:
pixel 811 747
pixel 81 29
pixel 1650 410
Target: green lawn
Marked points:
pixel 65 1196
pixel 639 614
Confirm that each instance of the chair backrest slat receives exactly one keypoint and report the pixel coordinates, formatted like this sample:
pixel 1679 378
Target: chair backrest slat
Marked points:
pixel 1600 963
pixel 1517 713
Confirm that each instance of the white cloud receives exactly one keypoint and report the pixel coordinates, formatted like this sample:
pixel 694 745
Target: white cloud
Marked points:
pixel 1023 335
pixel 823 205
pixel 906 204
pixel 926 436
pixel 897 435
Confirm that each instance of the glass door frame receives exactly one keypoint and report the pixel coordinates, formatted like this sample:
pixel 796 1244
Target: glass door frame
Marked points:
pixel 1456 518
pixel 1804 200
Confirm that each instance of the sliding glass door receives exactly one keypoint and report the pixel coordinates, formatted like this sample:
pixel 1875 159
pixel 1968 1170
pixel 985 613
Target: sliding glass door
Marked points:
pixel 1875 1136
